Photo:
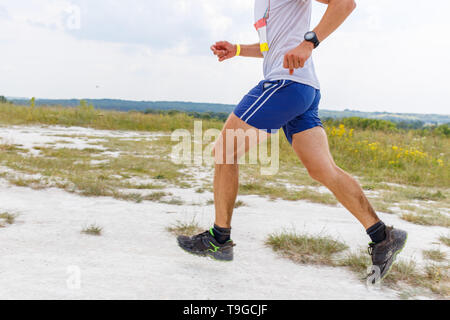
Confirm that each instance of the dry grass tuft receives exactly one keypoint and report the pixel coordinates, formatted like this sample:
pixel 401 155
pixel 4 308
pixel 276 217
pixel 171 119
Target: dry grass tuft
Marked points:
pixel 7 218
pixel 435 255
pixel 239 204
pixel 445 240
pixel 185 228
pixel 404 272
pixel 93 230
pixel 427 218
pixel 306 249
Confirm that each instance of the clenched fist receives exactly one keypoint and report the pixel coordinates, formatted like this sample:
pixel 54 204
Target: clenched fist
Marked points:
pixel 224 50
pixel 297 57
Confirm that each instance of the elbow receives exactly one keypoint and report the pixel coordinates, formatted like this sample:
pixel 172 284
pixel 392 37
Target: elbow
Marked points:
pixel 346 5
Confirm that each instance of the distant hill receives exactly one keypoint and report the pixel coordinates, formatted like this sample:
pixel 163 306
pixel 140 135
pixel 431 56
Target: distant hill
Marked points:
pixel 127 105
pixel 426 119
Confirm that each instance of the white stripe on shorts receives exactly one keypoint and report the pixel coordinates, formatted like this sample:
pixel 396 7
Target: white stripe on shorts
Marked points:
pixel 262 95
pixel 278 88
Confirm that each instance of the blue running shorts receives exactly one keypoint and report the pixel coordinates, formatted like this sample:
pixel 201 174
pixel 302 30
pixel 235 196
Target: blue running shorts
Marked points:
pixel 286 104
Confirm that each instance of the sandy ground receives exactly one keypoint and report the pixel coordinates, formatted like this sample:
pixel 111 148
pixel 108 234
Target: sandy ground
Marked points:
pixel 44 255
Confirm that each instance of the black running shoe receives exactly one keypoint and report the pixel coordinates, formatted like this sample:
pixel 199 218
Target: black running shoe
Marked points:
pixel 384 253
pixel 204 244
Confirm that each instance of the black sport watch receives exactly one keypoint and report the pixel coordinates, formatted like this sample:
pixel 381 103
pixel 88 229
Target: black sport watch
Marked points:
pixel 311 36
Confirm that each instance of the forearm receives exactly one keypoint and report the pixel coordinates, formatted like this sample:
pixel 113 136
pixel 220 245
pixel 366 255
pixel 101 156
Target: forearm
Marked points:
pixel 335 15
pixel 251 50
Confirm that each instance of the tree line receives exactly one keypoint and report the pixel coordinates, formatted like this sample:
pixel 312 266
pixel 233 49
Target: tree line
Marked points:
pixel 351 122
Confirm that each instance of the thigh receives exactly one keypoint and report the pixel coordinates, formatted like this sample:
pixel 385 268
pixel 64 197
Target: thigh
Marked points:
pixel 313 149
pixel 272 104
pixel 236 138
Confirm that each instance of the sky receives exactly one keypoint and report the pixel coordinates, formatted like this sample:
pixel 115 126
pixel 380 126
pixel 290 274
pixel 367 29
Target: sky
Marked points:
pixel 388 56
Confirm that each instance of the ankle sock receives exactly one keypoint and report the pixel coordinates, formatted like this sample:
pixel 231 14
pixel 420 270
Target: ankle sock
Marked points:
pixel 222 235
pixel 377 232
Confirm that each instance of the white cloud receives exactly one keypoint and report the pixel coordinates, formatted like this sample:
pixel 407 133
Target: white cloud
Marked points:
pixel 389 55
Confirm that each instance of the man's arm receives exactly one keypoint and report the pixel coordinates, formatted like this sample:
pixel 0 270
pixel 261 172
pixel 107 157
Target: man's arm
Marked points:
pixel 335 15
pixel 337 12
pixel 225 50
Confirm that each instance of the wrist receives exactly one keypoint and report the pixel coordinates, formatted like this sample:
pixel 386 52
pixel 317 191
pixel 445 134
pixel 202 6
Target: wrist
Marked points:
pixel 312 38
pixel 237 50
pixel 308 45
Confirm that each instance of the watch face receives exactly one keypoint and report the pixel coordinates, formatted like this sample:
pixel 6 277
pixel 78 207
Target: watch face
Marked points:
pixel 309 36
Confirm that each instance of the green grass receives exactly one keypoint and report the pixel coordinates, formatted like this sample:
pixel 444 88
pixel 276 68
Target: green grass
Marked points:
pixel 98 119
pixel 281 192
pixel 423 161
pixel 305 249
pixel 92 230
pixel 71 169
pixel 406 158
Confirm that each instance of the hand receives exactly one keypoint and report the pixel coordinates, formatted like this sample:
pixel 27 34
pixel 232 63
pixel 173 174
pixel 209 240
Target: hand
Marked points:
pixel 297 57
pixel 224 50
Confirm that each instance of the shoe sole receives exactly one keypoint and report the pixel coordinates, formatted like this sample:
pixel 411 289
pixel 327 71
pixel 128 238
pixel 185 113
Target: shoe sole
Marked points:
pixel 206 255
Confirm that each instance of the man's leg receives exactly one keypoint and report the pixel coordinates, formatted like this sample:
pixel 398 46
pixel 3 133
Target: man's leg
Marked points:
pixel 236 139
pixel 312 148
pixel 228 149
pixel 226 185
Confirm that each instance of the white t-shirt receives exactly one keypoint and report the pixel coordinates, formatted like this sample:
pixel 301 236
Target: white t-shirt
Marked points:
pixel 287 24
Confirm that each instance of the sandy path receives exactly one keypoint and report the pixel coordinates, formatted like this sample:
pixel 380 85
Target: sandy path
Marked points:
pixel 137 258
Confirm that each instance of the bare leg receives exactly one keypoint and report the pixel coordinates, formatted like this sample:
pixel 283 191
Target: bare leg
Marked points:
pixel 312 148
pixel 227 152
pixel 226 185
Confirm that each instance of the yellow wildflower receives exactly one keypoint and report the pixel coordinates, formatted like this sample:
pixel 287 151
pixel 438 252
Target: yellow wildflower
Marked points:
pixel 351 132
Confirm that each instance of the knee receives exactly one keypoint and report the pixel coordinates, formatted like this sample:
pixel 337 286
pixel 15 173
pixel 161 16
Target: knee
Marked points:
pixel 224 155
pixel 323 174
